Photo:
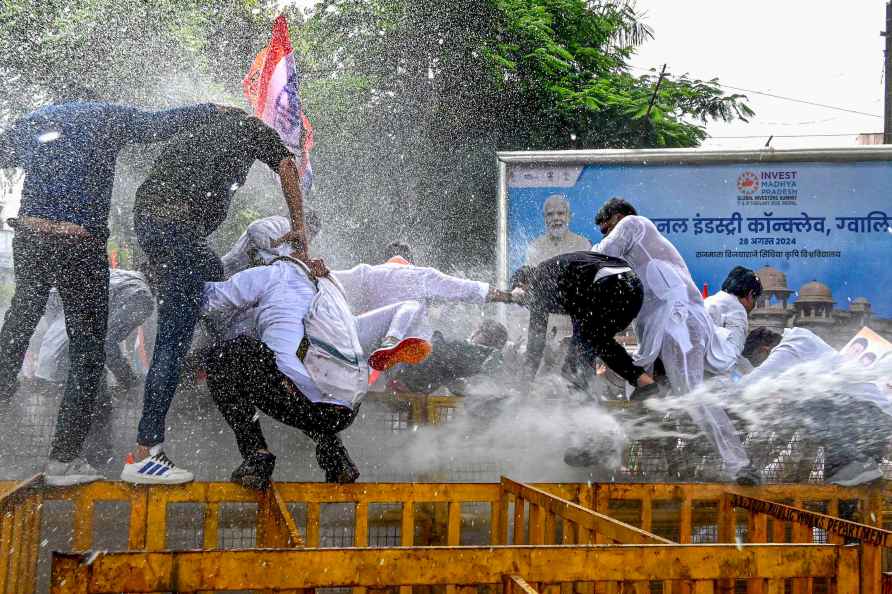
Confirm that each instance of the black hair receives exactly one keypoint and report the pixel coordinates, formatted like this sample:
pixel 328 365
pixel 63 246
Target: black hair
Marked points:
pixel 612 207
pixel 521 276
pixel 760 337
pixel 398 248
pixel 741 281
pixel 495 332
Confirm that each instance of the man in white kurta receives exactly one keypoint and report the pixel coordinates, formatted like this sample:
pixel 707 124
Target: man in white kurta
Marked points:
pixel 262 242
pixel 853 427
pixel 370 287
pixel 729 311
pixel 672 324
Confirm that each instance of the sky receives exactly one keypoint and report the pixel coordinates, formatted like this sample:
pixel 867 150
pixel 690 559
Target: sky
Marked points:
pixel 823 52
pixel 830 53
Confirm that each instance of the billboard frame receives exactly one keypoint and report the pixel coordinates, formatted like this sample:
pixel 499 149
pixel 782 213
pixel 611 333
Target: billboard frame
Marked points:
pixel 698 156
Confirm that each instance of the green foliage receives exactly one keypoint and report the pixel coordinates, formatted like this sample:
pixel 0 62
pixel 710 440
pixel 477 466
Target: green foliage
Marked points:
pixel 410 99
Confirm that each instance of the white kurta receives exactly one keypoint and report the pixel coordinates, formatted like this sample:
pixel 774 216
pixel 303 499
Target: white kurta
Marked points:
pixel 730 328
pixel 130 303
pixel 673 324
pixel 372 287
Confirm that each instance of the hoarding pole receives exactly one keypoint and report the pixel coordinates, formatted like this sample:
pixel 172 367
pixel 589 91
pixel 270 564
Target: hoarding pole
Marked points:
pixel 887 108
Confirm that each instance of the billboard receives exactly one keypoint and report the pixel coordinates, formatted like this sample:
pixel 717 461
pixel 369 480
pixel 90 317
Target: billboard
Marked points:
pixel 818 215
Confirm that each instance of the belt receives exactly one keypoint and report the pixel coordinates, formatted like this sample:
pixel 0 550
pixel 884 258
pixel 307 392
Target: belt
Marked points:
pixel 40 225
pixel 611 271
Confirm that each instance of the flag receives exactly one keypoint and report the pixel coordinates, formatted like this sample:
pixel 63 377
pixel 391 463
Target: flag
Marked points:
pixel 272 86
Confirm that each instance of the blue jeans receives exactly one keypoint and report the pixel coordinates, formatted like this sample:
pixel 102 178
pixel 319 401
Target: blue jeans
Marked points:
pixel 182 262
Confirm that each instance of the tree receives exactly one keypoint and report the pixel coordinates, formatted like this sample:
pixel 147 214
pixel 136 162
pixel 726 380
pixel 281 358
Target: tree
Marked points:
pixel 413 99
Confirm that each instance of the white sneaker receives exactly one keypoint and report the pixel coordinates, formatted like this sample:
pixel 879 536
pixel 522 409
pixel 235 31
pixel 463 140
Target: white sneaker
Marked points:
pixel 66 474
pixel 156 469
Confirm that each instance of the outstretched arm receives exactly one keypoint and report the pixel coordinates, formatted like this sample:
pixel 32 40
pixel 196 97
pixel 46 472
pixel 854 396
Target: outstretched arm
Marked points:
pixel 136 125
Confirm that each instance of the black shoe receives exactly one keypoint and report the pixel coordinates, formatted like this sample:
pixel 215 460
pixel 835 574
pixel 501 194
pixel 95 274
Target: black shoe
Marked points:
pixel 642 393
pixel 335 461
pixel 255 472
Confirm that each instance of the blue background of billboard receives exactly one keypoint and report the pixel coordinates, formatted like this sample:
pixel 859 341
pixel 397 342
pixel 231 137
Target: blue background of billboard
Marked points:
pixel 682 191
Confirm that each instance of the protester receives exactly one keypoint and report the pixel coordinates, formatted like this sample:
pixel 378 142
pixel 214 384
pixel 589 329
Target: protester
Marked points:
pixel 601 295
pixel 262 242
pixel 307 369
pixel 130 302
pixel 185 198
pixel 729 310
pixel 452 362
pixel 853 428
pixel 372 287
pixel 68 151
pixel 672 324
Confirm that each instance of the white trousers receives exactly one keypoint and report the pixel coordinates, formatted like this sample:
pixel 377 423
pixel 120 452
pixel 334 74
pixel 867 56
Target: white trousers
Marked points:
pixel 685 372
pixel 400 320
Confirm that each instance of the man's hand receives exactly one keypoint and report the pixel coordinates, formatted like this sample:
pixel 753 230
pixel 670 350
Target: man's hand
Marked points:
pixel 316 266
pixel 497 296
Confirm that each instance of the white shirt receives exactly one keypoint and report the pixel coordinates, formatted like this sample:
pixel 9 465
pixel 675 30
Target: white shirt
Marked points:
pixel 282 294
pixel 731 326
pixel 670 295
pixel 258 240
pixel 370 287
pixel 798 345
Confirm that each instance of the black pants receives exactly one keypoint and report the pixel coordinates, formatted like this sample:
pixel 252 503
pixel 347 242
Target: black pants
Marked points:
pixel 242 376
pixel 610 306
pixel 78 268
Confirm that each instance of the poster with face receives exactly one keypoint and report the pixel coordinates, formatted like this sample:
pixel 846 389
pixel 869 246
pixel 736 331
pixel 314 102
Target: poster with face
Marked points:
pixel 867 348
pixel 823 221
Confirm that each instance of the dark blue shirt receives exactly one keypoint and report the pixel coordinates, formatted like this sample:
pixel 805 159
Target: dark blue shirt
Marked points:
pixel 68 152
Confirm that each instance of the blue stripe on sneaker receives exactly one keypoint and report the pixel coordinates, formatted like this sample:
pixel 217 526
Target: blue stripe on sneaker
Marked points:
pixel 146 467
pixel 162 468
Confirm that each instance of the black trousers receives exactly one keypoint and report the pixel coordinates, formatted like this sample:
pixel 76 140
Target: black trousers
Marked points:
pixel 243 377
pixel 78 268
pixel 611 304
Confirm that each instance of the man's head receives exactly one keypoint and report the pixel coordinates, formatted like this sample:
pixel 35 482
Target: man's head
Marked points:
pixel 556 211
pixel 398 248
pixel 613 211
pixel 858 346
pixel 758 344
pixel 490 334
pixel 744 284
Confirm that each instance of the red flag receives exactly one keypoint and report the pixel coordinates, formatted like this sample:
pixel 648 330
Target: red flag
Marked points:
pixel 272 86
